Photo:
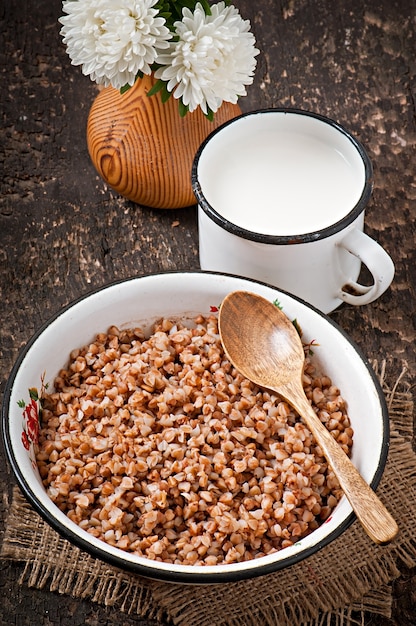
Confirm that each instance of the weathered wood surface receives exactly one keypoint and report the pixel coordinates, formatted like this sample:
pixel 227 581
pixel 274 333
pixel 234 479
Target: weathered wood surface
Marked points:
pixel 63 232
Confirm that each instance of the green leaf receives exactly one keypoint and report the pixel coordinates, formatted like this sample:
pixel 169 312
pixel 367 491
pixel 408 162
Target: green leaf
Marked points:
pixel 209 115
pixel 183 109
pixel 180 5
pixel 166 11
pixel 165 95
pixel 177 10
pixel 21 403
pixel 158 86
pixel 33 393
pixel 277 303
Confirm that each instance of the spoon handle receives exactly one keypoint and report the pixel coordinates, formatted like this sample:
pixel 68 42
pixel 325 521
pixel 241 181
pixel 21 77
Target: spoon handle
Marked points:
pixel 374 517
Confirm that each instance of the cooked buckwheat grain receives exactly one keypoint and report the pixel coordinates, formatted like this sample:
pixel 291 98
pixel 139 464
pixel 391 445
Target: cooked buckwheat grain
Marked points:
pixel 158 446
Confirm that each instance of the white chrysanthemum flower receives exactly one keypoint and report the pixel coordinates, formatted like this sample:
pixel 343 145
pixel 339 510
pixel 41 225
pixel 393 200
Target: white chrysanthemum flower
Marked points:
pixel 213 59
pixel 113 40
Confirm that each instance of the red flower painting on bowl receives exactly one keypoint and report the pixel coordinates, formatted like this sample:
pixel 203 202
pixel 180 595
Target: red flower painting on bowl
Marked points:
pixel 30 433
pixel 31 418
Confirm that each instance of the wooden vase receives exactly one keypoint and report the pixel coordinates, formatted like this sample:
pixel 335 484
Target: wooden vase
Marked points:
pixel 143 149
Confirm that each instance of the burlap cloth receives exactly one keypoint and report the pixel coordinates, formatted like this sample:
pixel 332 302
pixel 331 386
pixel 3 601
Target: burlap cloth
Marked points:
pixel 337 586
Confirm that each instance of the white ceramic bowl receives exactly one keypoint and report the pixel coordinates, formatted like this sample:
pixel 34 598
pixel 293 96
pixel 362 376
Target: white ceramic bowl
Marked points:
pixel 140 302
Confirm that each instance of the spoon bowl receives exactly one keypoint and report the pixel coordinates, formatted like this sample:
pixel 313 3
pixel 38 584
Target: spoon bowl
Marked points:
pixel 264 345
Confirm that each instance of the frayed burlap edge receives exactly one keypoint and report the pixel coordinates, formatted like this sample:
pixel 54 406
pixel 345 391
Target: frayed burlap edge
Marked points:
pixel 336 587
pixel 53 563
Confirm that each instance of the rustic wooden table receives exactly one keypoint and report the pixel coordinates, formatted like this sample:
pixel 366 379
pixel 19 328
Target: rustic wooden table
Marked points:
pixel 63 232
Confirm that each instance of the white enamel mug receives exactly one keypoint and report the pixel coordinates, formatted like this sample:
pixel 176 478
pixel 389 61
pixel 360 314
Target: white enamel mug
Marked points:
pixel 281 198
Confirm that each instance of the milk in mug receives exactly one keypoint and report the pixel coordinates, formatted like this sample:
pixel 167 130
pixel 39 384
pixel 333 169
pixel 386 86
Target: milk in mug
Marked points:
pixel 281 199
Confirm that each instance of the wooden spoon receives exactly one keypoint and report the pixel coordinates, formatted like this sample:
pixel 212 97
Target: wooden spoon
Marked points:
pixel 263 344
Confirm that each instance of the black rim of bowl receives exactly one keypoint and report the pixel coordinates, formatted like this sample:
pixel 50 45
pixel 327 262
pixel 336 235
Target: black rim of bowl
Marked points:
pixel 166 574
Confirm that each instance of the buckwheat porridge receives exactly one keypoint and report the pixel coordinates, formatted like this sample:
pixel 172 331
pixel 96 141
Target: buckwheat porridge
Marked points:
pixel 158 446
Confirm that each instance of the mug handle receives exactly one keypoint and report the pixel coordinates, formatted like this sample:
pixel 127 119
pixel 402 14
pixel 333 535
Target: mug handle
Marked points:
pixel 378 262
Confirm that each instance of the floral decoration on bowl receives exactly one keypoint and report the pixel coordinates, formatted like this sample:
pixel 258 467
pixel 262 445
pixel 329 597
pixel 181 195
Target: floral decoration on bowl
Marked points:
pixel 201 53
pixel 32 411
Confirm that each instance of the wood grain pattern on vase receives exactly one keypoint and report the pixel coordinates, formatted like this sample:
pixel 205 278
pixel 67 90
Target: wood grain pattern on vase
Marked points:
pixel 143 148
